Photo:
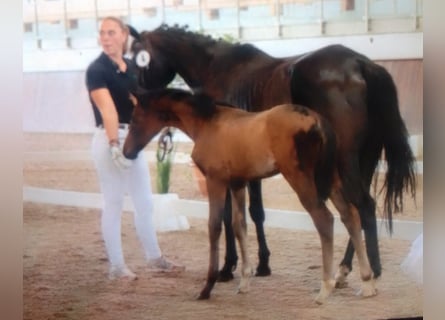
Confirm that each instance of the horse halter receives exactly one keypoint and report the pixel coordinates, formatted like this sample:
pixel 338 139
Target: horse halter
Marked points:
pixel 140 56
pixel 142 59
pixel 165 144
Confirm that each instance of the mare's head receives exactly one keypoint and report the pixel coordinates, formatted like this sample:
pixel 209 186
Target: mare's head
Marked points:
pixel 160 71
pixel 161 108
pixel 177 50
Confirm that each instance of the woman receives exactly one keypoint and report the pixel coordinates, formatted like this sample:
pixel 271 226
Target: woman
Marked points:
pixel 109 80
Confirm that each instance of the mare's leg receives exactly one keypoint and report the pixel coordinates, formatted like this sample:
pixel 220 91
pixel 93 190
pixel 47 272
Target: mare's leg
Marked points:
pixel 258 216
pixel 358 192
pixel 240 230
pixel 231 258
pixel 324 223
pixel 351 219
pixel 217 195
pixel 369 225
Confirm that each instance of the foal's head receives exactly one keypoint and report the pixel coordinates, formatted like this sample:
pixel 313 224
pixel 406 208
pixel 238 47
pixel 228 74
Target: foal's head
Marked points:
pixel 161 108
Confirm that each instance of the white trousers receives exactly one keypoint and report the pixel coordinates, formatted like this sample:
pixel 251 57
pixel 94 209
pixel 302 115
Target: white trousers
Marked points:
pixel 114 184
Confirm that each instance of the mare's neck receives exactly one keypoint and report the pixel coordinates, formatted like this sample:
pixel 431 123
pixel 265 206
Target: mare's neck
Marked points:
pixel 189 60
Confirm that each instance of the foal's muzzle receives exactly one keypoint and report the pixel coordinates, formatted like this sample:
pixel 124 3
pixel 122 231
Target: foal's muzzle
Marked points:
pixel 128 153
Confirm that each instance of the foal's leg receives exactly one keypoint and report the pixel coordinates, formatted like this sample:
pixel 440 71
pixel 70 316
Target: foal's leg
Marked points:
pixel 345 266
pixel 217 194
pixel 324 223
pixel 240 230
pixel 351 219
pixel 231 258
pixel 257 214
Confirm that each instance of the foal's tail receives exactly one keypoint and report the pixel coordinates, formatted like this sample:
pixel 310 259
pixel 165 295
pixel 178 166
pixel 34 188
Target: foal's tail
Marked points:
pixel 326 163
pixel 387 130
pixel 317 149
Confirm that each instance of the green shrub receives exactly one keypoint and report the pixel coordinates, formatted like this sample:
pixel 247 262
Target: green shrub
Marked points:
pixel 163 170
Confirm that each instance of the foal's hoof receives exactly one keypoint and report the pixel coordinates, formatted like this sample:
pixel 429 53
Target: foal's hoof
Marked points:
pixel 242 290
pixel 326 289
pixel 320 300
pixel 203 296
pixel 243 286
pixel 263 271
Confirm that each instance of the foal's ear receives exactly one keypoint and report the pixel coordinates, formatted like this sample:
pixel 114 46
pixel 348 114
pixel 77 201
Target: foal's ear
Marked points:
pixel 203 99
pixel 203 104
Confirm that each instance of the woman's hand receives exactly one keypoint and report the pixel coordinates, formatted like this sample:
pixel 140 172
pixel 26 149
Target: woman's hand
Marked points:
pixel 118 157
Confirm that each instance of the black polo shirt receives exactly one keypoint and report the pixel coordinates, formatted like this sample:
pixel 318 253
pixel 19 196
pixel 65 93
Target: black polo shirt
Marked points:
pixel 104 73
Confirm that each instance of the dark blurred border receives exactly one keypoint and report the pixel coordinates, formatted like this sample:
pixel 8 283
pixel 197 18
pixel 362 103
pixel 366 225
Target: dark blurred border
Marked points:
pixel 411 318
pixel 11 161
pixel 11 236
pixel 434 159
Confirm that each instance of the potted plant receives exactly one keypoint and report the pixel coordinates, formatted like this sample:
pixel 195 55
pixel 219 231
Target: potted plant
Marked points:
pixel 164 159
pixel 165 216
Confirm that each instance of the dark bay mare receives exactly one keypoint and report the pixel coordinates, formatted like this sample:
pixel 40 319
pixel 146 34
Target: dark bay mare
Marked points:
pixel 233 147
pixel 357 96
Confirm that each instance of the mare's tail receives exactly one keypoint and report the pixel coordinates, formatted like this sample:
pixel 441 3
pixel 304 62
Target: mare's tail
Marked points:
pixel 388 131
pixel 318 146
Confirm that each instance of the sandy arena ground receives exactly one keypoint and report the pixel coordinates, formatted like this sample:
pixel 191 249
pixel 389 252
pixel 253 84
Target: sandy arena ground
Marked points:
pixel 65 266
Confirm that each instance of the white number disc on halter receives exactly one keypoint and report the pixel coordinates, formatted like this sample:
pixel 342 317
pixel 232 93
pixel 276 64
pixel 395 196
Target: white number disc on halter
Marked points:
pixel 142 58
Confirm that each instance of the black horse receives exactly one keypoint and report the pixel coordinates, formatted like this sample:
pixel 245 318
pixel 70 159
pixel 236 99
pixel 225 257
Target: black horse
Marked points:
pixel 357 96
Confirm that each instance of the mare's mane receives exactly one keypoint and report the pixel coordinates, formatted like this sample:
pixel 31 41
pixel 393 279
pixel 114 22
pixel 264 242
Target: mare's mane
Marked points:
pixel 218 47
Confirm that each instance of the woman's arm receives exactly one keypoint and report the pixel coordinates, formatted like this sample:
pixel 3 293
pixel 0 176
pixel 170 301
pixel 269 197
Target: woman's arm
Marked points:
pixel 102 99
